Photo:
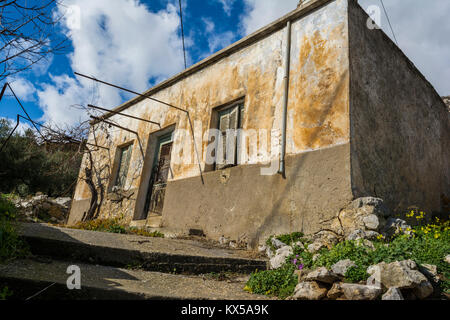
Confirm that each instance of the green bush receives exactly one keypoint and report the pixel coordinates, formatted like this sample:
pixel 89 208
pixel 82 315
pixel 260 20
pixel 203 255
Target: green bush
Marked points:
pixel 29 166
pixel 102 225
pixel 114 226
pixel 11 246
pixel 5 293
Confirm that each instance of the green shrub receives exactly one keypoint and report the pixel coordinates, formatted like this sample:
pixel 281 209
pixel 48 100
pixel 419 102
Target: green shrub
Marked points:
pixel 7 208
pixel 102 225
pixel 280 282
pixel 114 226
pixel 424 244
pixel 5 293
pixel 11 246
pixel 356 274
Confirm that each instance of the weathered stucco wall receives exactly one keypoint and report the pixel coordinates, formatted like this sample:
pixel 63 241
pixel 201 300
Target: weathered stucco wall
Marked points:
pixel 241 204
pixel 399 124
pixel 317 119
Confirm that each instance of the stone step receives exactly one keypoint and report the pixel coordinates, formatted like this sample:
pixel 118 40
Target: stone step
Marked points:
pixel 151 254
pixel 26 278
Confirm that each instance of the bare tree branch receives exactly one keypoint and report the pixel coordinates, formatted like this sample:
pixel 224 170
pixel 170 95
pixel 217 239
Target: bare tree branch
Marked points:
pixel 28 34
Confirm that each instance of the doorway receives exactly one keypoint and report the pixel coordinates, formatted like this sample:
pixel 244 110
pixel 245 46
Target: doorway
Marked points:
pixel 154 203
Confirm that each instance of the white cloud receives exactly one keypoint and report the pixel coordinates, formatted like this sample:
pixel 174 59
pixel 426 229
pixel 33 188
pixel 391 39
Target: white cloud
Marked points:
pixel 23 89
pixel 216 41
pixel 119 41
pixel 227 5
pixel 262 12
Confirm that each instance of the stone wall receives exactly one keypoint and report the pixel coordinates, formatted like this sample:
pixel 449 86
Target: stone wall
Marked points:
pixel 447 102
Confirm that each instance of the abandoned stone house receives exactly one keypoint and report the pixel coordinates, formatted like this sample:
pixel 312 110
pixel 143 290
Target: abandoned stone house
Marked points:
pixel 342 111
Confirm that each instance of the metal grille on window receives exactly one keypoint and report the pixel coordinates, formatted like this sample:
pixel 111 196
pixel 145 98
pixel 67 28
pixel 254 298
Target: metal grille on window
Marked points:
pixel 159 182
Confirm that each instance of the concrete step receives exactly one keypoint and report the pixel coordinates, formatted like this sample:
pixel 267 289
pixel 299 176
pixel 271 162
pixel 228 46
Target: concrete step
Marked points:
pixel 26 278
pixel 151 254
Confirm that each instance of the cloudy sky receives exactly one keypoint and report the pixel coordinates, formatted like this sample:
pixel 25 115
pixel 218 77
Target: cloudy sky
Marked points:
pixel 137 43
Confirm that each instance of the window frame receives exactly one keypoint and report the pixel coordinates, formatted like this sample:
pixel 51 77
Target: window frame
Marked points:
pixel 116 184
pixel 240 105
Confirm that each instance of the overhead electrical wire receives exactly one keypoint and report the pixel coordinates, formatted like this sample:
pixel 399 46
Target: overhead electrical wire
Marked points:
pixel 389 21
pixel 182 33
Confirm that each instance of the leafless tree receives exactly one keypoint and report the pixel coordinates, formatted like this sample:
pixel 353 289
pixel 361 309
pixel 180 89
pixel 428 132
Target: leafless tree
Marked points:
pixel 27 34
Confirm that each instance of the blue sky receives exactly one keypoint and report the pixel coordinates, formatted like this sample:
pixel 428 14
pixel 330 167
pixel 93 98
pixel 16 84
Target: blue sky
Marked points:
pixel 137 44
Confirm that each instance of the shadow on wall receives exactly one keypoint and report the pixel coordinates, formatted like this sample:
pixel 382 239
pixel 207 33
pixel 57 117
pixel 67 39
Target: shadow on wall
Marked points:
pixel 294 171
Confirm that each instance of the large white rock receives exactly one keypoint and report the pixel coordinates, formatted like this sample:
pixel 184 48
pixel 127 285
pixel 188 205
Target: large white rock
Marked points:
pixel 63 202
pixel 280 257
pixel 393 294
pixel 277 244
pixel 309 290
pixel 360 292
pixel 371 222
pixel 322 275
pixel 401 275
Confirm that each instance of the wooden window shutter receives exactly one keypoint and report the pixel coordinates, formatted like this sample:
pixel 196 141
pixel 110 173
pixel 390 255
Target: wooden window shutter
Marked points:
pixel 230 120
pixel 124 163
pixel 224 124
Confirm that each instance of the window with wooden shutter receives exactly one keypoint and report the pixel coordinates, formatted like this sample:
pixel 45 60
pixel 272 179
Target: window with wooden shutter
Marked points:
pixel 230 120
pixel 124 163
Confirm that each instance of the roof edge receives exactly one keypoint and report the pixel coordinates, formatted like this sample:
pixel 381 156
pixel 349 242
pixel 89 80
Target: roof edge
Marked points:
pixel 278 24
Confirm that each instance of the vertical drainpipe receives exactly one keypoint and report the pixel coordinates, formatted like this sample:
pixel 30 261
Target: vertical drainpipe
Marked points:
pixel 287 68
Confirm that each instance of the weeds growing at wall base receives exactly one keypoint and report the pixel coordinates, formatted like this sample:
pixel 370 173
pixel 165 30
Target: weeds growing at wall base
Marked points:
pixel 114 226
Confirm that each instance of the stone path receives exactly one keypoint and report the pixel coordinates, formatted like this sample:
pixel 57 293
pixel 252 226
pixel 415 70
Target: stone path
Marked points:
pixel 27 277
pixel 152 254
pixel 115 266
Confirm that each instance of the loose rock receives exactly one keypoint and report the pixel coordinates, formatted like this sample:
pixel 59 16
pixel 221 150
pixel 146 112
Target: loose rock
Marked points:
pixel 396 226
pixel 277 244
pixel 224 241
pixel 360 292
pixel 340 268
pixel 393 294
pixel 402 275
pixel 322 275
pixel 280 257
pixel 309 291
pixel 336 291
pixel 430 271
